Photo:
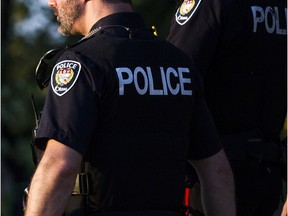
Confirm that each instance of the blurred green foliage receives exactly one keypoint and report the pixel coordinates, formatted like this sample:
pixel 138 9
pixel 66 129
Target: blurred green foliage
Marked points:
pixel 28 30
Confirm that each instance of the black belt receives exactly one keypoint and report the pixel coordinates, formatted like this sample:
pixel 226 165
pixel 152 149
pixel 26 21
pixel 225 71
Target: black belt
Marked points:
pixel 250 145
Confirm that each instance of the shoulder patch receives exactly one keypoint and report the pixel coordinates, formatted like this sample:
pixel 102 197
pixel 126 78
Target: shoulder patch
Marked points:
pixel 186 10
pixel 64 76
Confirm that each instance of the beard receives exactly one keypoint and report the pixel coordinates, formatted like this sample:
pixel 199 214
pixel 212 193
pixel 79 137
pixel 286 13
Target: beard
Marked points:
pixel 68 13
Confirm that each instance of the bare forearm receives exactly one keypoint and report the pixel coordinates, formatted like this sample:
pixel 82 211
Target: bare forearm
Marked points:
pixel 53 180
pixel 48 193
pixel 217 185
pixel 218 197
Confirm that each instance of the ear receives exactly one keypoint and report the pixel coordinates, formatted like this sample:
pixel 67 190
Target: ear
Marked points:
pixel 52 3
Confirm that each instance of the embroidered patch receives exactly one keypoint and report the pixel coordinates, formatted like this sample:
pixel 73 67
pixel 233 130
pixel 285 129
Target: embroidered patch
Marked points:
pixel 186 10
pixel 64 76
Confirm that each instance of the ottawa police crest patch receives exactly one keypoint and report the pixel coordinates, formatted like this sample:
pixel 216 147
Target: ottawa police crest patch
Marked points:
pixel 64 76
pixel 186 10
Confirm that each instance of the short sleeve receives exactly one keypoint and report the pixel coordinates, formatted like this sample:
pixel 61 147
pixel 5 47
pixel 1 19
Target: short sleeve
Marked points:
pixel 204 139
pixel 70 111
pixel 199 34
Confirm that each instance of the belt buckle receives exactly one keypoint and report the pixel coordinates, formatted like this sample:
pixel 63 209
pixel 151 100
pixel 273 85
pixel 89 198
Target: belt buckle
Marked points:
pixel 81 186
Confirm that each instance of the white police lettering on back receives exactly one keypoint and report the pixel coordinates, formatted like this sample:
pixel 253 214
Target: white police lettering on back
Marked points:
pixel 270 18
pixel 127 76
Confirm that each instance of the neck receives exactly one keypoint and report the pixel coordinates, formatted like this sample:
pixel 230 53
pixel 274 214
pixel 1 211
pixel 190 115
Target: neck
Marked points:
pixel 95 10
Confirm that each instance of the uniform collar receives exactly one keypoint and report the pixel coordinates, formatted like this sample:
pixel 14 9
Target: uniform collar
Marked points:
pixel 127 19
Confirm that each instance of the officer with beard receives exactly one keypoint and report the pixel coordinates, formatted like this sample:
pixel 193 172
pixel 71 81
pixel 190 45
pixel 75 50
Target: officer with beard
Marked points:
pixel 123 113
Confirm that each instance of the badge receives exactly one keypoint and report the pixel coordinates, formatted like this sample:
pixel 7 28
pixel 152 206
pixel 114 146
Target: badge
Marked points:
pixel 64 76
pixel 186 10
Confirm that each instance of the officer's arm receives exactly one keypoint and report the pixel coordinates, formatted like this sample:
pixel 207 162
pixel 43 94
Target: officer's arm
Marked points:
pixel 217 185
pixel 53 180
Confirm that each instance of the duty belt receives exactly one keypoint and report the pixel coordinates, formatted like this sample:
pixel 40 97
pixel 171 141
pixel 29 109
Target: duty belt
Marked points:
pixel 247 145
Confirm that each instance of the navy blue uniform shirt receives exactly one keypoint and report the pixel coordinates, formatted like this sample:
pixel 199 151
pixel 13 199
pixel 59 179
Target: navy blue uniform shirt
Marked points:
pixel 132 105
pixel 240 47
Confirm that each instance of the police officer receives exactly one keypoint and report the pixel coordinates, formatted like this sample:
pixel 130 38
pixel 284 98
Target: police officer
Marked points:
pixel 123 113
pixel 240 48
